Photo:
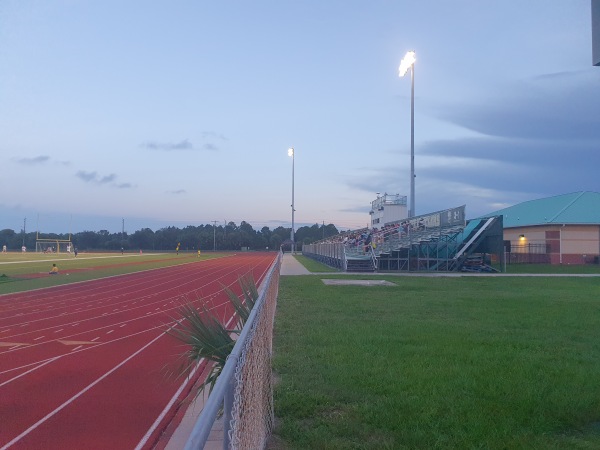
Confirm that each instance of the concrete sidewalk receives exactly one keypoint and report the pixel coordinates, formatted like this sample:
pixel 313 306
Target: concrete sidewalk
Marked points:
pixel 291 266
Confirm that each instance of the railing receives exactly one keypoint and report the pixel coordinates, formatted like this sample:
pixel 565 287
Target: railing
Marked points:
pixel 245 389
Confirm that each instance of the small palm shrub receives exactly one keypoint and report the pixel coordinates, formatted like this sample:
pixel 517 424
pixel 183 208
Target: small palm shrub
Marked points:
pixel 207 337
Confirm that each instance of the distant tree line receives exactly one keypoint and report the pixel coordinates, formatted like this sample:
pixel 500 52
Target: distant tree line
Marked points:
pixel 190 238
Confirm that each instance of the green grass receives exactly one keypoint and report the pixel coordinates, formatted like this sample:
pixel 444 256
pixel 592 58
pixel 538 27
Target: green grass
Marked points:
pixel 23 272
pixel 496 363
pixel 553 268
pixel 312 265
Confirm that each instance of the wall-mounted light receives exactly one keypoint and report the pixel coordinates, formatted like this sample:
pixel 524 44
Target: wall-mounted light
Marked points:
pixel 522 237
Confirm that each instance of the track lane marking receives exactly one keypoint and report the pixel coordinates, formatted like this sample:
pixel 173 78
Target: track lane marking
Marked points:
pixel 166 409
pixel 12 344
pixel 79 394
pixel 48 361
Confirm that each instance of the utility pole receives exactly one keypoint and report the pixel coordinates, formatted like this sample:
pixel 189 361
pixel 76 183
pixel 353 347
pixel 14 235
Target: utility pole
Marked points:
pixel 214 235
pixel 24 225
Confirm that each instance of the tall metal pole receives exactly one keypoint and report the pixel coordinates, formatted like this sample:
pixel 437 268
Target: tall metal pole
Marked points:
pixel 412 141
pixel 408 62
pixel 214 235
pixel 293 235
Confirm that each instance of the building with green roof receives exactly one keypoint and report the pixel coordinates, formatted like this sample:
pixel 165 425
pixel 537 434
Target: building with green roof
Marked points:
pixel 564 229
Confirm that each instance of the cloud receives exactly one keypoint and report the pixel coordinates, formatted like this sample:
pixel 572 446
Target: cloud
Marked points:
pixel 536 139
pixel 177 192
pixel 212 134
pixel 183 145
pixel 186 144
pixel 94 178
pixel 87 176
pixel 42 159
pixel 554 106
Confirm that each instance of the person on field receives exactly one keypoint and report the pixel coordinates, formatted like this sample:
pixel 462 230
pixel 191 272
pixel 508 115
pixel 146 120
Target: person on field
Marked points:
pixel 4 249
pixel 54 270
pixel 75 251
pixel 198 253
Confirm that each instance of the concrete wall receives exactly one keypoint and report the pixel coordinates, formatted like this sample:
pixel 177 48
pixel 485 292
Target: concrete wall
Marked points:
pixel 569 244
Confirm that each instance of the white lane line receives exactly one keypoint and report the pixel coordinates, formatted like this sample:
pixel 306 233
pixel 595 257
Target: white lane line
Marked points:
pixel 173 399
pixel 160 417
pixel 122 325
pixel 108 332
pixel 76 348
pixel 31 370
pixel 95 339
pixel 79 394
pixel 58 331
pixel 38 338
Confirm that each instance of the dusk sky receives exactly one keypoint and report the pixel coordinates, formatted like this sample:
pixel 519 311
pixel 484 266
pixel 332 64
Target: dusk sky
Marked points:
pixel 181 113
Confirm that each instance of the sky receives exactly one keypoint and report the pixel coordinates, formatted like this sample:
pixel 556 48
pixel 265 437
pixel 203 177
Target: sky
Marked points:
pixel 146 114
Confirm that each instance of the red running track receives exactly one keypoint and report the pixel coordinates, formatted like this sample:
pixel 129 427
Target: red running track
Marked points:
pixel 83 366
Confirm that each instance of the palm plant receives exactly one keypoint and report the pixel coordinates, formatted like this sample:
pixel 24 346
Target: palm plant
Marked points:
pixel 208 338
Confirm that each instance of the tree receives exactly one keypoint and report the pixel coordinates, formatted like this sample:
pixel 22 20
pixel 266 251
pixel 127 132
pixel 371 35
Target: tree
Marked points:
pixel 143 238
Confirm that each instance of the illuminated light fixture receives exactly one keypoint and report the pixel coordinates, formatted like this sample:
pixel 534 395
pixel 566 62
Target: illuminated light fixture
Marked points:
pixel 408 62
pixel 522 237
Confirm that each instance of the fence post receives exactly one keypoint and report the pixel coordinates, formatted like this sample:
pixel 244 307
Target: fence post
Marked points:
pixel 227 410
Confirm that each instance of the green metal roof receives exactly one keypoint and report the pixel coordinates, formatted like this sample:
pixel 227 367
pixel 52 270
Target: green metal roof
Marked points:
pixel 576 208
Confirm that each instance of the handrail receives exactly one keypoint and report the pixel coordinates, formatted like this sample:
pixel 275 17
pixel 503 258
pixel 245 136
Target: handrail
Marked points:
pixel 373 257
pixel 475 236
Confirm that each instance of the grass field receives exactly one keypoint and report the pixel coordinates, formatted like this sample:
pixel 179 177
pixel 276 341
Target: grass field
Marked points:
pixel 312 265
pixel 553 268
pixel 495 363
pixel 26 271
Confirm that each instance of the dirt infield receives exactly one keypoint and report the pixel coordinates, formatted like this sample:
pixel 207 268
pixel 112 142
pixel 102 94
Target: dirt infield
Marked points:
pixel 84 365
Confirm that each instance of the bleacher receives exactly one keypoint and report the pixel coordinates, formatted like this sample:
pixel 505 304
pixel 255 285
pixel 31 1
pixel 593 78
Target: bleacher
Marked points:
pixel 423 243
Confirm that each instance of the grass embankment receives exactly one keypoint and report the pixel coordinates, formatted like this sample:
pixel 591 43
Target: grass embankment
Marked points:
pixel 312 265
pixel 438 363
pixel 23 272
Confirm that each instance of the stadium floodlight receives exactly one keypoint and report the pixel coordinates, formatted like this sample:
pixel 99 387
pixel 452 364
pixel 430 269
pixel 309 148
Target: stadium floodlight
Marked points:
pixel 408 62
pixel 291 153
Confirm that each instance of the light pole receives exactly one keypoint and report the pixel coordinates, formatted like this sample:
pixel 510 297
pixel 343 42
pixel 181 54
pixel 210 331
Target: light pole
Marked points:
pixel 291 153
pixel 214 235
pixel 408 62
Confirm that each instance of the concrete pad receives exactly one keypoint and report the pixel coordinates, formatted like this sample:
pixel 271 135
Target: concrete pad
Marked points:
pixel 291 266
pixel 337 282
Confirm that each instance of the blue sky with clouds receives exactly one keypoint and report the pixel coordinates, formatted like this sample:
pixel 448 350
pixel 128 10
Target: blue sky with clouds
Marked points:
pixel 181 113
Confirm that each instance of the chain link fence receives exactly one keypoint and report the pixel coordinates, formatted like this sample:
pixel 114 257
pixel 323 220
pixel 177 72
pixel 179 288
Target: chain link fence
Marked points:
pixel 244 390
